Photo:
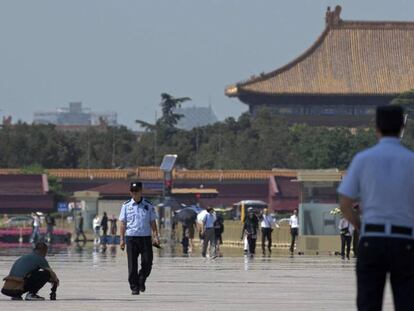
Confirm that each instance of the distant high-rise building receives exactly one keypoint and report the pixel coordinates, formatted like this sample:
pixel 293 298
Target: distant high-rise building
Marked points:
pixel 195 117
pixel 75 115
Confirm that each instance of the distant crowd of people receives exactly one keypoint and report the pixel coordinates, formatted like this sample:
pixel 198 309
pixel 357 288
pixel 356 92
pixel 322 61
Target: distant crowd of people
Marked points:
pixel 210 227
pixel 50 225
pixel 101 226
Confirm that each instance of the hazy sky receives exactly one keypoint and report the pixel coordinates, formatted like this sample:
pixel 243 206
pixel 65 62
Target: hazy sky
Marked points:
pixel 119 55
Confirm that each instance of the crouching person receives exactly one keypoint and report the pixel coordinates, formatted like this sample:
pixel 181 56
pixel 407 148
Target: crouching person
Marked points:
pixel 29 274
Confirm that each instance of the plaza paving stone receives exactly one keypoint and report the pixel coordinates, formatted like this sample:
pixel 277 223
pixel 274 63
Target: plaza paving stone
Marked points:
pixel 91 280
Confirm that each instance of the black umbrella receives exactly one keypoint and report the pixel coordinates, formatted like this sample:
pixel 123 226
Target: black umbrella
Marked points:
pixel 187 216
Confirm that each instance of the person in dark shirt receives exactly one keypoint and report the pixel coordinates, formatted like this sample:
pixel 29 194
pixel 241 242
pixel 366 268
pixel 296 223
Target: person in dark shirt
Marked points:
pixel 50 223
pixel 114 226
pixel 218 232
pixel 104 226
pixel 29 273
pixel 79 228
pixel 250 226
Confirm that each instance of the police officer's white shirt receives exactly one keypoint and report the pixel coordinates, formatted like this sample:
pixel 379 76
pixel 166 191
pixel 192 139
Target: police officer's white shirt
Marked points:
pixel 137 217
pixel 293 221
pixel 382 178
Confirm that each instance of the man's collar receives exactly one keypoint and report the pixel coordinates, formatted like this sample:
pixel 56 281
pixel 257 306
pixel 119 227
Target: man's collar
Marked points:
pixel 390 139
pixel 136 202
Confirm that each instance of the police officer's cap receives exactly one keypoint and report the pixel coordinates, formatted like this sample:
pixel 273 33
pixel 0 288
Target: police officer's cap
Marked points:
pixel 135 186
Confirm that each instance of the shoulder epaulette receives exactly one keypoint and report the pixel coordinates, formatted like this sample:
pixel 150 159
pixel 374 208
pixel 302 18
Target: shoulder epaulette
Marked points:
pixel 148 202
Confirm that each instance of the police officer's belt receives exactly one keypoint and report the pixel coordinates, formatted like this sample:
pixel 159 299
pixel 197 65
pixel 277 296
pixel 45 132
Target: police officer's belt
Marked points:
pixel 394 229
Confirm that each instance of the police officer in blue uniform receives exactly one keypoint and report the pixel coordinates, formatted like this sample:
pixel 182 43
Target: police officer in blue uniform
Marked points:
pixel 138 220
pixel 382 177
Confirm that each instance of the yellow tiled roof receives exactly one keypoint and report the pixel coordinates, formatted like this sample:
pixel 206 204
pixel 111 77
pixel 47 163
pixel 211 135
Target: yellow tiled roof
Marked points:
pixel 91 173
pixel 149 173
pixel 319 175
pixel 9 171
pixel 349 58
pixel 231 174
pixel 154 173
pixel 193 190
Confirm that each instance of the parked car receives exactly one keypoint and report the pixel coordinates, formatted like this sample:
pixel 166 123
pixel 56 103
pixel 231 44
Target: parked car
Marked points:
pixel 19 221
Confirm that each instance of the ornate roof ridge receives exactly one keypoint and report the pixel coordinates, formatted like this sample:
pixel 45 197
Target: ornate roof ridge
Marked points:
pixel 333 22
pixel 349 24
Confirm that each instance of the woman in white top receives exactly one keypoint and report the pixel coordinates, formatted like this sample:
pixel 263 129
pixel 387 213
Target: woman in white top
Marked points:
pixel 35 228
pixel 294 227
pixel 96 229
pixel 266 225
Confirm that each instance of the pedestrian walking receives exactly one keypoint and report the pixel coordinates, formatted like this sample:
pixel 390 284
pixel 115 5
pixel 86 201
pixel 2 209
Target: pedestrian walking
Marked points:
pixel 113 227
pixel 29 274
pixel 50 225
pixel 79 227
pixel 96 224
pixel 104 226
pixel 346 231
pixel 35 228
pixel 185 239
pixel 138 221
pixel 294 229
pixel 250 227
pixel 266 224
pixel 207 233
pixel 381 179
pixel 218 233
pixel 191 234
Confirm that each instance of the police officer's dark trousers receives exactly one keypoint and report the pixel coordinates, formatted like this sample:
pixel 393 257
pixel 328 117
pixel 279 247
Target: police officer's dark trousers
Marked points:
pixel 378 256
pixel 138 246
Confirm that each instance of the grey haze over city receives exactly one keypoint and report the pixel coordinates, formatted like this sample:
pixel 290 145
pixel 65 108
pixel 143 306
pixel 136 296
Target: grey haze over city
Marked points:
pixel 121 55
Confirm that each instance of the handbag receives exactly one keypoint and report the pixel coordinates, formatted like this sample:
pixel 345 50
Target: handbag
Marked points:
pixel 13 283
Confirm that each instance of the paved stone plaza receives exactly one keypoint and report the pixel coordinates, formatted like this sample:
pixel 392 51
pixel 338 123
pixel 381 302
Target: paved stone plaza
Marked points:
pixel 95 281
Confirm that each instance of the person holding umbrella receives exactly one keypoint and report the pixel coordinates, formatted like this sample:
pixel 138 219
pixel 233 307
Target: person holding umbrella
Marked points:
pixel 187 216
pixel 250 226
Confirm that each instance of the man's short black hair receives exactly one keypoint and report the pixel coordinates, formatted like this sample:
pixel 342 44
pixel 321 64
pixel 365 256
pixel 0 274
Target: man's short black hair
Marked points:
pixel 390 120
pixel 40 246
pixel 135 186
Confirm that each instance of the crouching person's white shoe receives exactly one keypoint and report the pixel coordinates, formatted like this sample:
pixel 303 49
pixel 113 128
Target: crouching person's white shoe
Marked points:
pixel 33 297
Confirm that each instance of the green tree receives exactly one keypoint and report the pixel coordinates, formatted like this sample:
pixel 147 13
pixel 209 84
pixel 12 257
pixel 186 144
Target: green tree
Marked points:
pixel 405 100
pixel 169 117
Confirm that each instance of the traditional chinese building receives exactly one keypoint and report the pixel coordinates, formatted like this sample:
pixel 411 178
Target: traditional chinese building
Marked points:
pixel 353 67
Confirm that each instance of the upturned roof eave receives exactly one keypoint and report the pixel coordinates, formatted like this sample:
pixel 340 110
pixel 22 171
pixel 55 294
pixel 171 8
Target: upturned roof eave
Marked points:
pixel 238 89
pixel 241 92
pixel 265 76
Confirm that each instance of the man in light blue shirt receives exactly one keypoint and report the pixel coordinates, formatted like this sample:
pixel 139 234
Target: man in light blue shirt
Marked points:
pixel 208 232
pixel 138 219
pixel 382 179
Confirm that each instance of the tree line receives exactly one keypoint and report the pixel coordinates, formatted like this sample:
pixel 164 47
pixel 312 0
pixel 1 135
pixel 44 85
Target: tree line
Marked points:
pixel 264 141
pixel 261 142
